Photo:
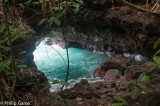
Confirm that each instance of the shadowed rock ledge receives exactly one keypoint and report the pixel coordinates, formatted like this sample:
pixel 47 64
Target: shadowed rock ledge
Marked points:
pixel 102 92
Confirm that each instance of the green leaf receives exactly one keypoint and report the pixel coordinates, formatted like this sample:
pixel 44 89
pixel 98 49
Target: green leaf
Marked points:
pixel 10 73
pixel 64 83
pixel 157 52
pixel 60 14
pixel 57 21
pixel 76 10
pixel 55 82
pixel 119 98
pixel 22 52
pixel 27 2
pixel 29 36
pixel 116 104
pixel 8 62
pixel 17 37
pixel 143 86
pixel 158 86
pixel 52 99
pixel 120 104
pixel 147 77
pixel 41 1
pixel 158 65
pixel 80 1
pixel 21 66
pixel 156 44
pixel 31 83
pixel 36 3
pixel 51 20
pixel 156 59
pixel 141 76
pixel 2 27
pixel 135 92
pixel 8 43
pixel 58 8
pixel 76 5
pixel 14 30
pixel 45 88
pixel 150 63
pixel 41 22
pixel 7 48
pixel 127 82
pixel 151 69
pixel 2 41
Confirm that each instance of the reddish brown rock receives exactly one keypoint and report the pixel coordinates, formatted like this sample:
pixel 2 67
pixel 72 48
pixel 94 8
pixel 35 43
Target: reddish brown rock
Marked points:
pixel 115 62
pixel 111 75
pixel 133 72
pixel 97 92
pixel 83 88
pixel 99 72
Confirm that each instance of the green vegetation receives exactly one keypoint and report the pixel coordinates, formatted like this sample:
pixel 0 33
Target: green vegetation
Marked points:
pixel 122 101
pixel 139 84
pixel 53 13
pixel 9 64
pixel 11 31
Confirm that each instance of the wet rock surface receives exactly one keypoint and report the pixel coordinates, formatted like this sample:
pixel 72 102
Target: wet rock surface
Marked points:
pixel 114 62
pixel 99 72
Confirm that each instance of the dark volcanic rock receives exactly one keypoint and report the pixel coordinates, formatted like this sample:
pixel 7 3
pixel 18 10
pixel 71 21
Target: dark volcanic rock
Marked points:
pixel 31 78
pixel 102 92
pixel 99 72
pixel 123 28
pixel 115 62
pixel 111 76
pixel 82 88
pixel 137 35
pixel 133 72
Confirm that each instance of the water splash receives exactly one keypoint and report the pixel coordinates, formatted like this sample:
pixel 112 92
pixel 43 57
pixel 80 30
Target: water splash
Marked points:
pixel 136 59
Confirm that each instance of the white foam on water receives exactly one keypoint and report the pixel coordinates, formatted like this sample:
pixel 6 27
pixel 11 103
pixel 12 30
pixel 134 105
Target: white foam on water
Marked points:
pixel 57 87
pixel 136 57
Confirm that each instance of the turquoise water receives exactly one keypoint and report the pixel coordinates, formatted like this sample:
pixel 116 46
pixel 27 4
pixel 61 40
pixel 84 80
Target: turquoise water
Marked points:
pixel 82 63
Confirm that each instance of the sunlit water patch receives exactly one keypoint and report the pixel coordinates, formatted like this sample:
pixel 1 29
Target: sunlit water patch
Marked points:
pixel 82 63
